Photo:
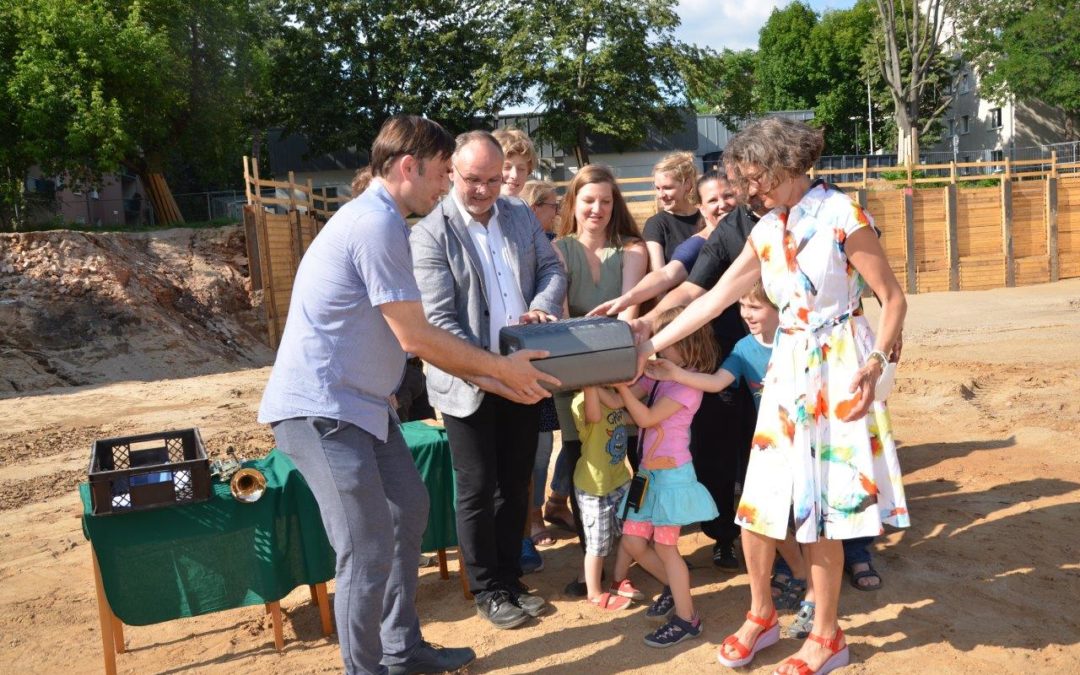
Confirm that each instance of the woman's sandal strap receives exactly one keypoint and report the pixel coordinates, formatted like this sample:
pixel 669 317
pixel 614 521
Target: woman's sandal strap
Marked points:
pixel 731 641
pixel 833 644
pixel 764 623
pixel 800 666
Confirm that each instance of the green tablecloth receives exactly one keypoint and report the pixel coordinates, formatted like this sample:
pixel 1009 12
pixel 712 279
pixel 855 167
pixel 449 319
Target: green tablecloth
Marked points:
pixel 194 559
pixel 431 453
pixel 219 554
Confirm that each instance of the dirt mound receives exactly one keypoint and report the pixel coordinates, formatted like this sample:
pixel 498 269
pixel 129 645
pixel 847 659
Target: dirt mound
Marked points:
pixel 82 308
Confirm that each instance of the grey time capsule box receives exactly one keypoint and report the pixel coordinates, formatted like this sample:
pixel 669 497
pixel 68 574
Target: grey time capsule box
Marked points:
pixel 583 352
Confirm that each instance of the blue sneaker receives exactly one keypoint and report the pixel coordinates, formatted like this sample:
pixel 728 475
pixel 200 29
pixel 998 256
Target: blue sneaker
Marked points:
pixel 663 608
pixel 530 557
pixel 673 632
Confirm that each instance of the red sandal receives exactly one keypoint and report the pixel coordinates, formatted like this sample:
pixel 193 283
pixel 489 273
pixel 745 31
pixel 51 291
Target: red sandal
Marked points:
pixel 839 658
pixel 766 638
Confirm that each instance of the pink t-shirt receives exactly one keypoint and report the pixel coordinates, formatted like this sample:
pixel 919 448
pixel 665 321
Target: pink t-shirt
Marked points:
pixel 667 445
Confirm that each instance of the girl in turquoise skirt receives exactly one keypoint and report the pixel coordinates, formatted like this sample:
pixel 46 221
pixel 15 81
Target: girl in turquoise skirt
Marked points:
pixel 673 496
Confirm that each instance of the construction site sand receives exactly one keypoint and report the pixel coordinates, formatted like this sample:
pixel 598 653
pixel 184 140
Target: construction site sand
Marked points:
pixel 988 577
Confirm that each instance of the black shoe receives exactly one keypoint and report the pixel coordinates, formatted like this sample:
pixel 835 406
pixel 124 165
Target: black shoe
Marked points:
pixel 723 556
pixel 428 658
pixel 576 589
pixel 663 608
pixel 498 607
pixel 533 605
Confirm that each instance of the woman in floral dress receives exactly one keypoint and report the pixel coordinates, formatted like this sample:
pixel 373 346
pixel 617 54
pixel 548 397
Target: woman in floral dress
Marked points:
pixel 823 460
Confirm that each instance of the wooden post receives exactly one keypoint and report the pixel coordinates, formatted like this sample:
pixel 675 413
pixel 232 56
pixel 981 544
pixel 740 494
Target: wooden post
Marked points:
pixel 1007 226
pixel 951 235
pixel 247 181
pixel 444 573
pixel 292 192
pixel 952 173
pixel 322 600
pixel 255 184
pixel 274 610
pixel 1052 228
pixel 909 239
pixel 269 299
pixel 108 645
pixel 865 172
pixel 910 178
pixel 463 574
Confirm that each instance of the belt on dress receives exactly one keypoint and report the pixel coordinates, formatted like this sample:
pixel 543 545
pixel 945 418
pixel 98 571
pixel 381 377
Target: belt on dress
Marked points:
pixel 836 321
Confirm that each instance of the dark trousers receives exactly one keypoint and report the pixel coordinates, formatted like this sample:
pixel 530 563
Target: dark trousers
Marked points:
pixel 493 452
pixel 720 438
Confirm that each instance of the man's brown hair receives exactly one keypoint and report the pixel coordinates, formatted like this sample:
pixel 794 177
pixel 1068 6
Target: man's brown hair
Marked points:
pixel 409 135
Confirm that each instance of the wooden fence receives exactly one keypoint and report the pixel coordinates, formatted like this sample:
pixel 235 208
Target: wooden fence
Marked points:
pixel 938 233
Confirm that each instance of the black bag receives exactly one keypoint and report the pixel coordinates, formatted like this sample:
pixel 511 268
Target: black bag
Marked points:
pixel 639 484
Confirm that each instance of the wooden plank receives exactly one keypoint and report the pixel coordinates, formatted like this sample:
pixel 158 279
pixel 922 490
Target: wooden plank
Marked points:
pixel 909 241
pixel 950 238
pixel 1007 231
pixel 269 302
pixel 1054 264
pixel 251 245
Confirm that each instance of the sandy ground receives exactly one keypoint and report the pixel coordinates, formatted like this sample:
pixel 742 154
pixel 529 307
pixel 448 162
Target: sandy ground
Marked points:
pixel 988 576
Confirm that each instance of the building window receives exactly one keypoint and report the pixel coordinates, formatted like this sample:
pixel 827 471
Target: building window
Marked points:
pixel 997 155
pixel 965 83
pixel 952 126
pixel 964 124
pixel 995 118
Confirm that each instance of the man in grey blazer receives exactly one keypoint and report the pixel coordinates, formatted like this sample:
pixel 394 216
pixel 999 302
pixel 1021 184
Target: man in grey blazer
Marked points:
pixel 482 262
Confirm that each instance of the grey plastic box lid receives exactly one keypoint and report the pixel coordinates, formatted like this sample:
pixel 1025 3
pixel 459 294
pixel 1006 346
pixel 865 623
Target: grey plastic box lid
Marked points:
pixel 583 352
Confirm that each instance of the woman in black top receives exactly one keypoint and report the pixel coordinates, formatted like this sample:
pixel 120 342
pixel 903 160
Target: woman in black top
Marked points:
pixel 675 178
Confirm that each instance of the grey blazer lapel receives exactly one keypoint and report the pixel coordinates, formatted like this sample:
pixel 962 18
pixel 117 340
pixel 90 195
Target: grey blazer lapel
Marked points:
pixel 457 228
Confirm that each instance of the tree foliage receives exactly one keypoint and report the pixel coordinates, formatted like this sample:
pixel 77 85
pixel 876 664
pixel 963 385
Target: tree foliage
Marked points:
pixel 345 67
pixel 721 84
pixel 1029 49
pixel 597 67
pixel 93 86
pixel 782 77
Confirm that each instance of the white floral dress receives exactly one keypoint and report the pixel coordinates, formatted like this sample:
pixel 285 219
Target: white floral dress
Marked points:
pixel 839 479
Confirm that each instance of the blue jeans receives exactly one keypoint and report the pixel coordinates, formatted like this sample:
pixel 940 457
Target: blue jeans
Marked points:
pixel 374 507
pixel 855 551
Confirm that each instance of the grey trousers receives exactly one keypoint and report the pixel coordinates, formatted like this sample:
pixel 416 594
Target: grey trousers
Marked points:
pixel 374 508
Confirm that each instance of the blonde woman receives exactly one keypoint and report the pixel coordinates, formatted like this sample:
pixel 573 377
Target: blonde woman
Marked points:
pixel 675 178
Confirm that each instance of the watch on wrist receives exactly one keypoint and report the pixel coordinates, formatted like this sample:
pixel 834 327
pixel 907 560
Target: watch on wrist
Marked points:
pixel 882 358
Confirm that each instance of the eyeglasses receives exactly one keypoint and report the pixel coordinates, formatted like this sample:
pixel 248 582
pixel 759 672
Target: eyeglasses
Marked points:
pixel 475 183
pixel 754 180
pixel 554 205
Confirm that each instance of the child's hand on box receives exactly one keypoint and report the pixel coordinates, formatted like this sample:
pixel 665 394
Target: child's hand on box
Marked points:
pixel 661 369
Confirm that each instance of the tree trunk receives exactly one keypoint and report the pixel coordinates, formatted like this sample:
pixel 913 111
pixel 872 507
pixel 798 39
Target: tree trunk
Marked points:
pixel 581 147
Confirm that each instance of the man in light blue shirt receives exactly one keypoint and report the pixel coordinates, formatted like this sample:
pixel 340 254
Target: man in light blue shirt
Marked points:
pixel 355 311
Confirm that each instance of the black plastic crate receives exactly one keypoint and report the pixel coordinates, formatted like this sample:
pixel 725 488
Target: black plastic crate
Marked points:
pixel 132 473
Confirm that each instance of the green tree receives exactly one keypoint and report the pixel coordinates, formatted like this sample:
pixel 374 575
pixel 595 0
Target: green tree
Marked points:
pixel 721 84
pixel 596 66
pixel 1028 49
pixel 93 86
pixel 782 76
pixel 836 75
pixel 345 67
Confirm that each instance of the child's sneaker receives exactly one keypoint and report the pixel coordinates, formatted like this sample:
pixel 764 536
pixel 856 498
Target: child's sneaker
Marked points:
pixel 627 590
pixel 803 623
pixel 663 607
pixel 673 632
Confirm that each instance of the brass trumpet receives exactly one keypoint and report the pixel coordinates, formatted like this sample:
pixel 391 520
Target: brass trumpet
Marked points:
pixel 247 485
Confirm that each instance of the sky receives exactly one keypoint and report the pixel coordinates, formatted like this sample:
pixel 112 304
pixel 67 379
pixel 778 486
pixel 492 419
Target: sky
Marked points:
pixel 734 24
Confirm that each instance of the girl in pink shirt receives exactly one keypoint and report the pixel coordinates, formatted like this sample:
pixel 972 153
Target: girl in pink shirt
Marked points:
pixel 673 496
